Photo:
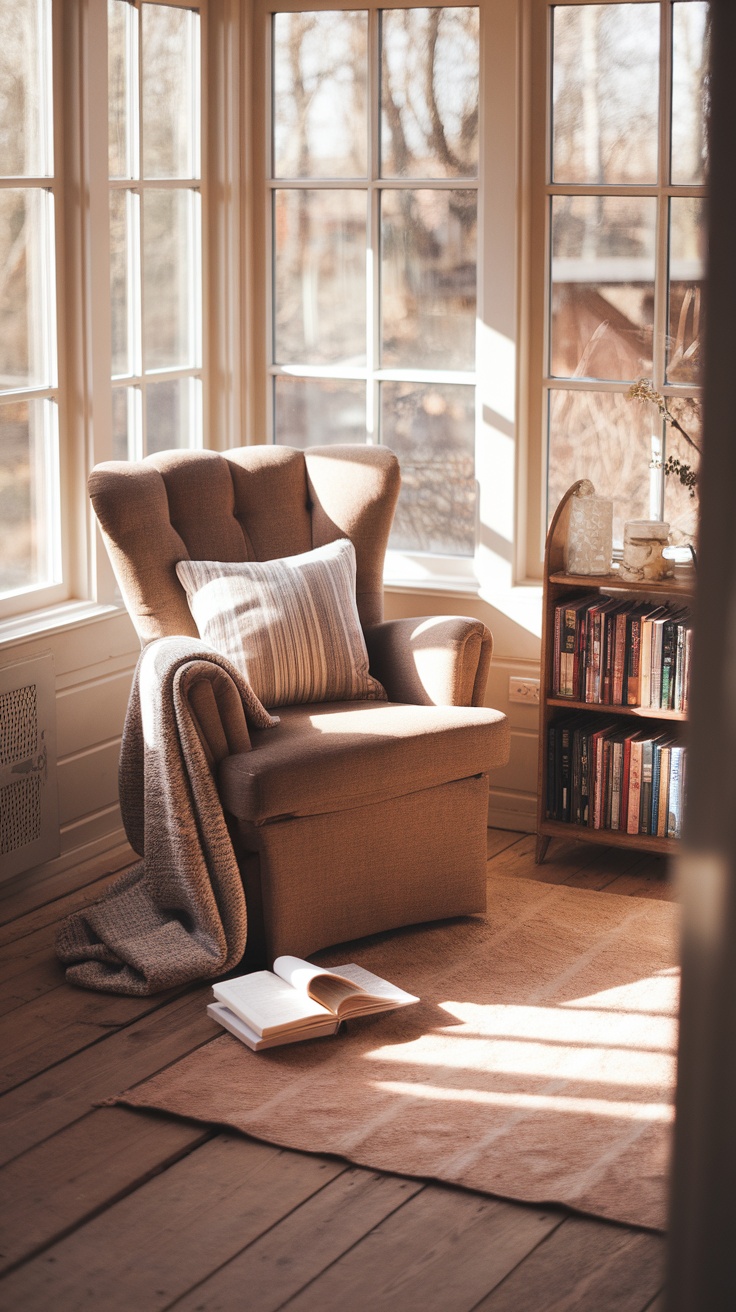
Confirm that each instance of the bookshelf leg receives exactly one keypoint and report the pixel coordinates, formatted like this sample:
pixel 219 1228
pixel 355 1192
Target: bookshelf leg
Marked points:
pixel 542 845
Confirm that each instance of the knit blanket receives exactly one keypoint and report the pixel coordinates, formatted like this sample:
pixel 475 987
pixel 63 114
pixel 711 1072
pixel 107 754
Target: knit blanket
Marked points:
pixel 180 913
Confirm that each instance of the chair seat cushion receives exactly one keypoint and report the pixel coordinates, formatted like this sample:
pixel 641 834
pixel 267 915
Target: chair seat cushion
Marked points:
pixel 335 756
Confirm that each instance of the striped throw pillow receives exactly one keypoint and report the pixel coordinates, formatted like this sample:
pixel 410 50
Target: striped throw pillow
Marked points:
pixel 291 625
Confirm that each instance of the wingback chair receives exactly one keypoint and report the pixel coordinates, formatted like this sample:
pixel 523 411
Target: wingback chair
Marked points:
pixel 347 818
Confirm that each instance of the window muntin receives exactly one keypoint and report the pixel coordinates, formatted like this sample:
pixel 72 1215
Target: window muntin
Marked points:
pixel 374 235
pixel 154 94
pixel 30 538
pixel 625 232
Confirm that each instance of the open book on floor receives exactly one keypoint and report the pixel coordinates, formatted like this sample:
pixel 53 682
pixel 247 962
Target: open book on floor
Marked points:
pixel 299 1001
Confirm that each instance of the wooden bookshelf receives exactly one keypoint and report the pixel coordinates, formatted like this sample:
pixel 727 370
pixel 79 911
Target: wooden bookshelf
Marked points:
pixel 557 587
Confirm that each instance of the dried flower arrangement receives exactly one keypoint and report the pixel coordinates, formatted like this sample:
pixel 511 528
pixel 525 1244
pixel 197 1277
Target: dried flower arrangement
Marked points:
pixel 685 473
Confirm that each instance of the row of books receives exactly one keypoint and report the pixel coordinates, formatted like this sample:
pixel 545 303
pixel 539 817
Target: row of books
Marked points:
pixel 614 776
pixel 615 652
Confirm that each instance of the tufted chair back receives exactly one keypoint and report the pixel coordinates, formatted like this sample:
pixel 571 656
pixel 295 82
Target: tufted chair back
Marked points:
pixel 251 503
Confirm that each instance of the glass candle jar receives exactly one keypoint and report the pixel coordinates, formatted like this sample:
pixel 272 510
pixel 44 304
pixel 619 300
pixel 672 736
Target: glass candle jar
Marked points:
pixel 589 534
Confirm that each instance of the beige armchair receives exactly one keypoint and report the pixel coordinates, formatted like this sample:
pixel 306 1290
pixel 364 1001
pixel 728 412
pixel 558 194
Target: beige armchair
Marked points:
pixel 348 817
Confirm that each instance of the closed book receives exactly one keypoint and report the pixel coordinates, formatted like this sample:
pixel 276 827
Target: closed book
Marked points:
pixel 551 799
pixel 619 654
pixel 586 775
pixel 633 655
pixel 676 796
pixel 679 664
pixel 568 643
pixel 645 655
pixel 686 668
pixel 607 643
pixel 598 778
pixel 617 767
pixel 625 779
pixel 556 652
pixel 645 805
pixel 654 800
pixel 669 656
pixel 565 772
pixel 664 790
pixel 634 802
pixel 655 689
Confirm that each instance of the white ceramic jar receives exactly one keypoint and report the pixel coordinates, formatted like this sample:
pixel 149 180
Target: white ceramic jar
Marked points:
pixel 644 543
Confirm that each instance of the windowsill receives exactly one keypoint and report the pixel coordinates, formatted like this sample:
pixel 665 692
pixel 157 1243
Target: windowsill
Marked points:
pixel 53 619
pixel 424 572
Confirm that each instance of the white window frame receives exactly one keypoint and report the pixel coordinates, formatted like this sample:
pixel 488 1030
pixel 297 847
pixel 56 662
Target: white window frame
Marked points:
pixel 136 186
pixel 493 564
pixel 80 187
pixel 57 522
pixel 538 382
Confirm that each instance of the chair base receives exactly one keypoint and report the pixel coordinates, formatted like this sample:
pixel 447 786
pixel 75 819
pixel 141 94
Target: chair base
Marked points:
pixel 313 881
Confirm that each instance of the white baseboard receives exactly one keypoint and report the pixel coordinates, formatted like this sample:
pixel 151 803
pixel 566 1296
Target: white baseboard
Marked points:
pixel 507 810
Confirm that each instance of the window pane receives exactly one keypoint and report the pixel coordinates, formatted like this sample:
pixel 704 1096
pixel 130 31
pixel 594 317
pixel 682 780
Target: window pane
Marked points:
pixel 170 91
pixel 27 306
pixel 120 73
pixel 690 41
pixel 119 283
pixel 28 489
pixel 611 440
pixel 125 403
pixel 25 89
pixel 173 415
pixel 320 288
pixel 604 91
pixel 602 286
pixel 319 413
pixel 170 279
pixel 431 428
pixel 680 509
pixel 687 285
pixel 320 81
pixel 428 282
pixel 429 93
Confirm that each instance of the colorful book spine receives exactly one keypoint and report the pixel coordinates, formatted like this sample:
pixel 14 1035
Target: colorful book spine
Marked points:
pixel 676 798
pixel 634 804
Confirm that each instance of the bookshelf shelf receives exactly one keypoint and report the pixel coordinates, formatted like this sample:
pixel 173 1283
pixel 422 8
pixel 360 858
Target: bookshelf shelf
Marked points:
pixel 558 586
pixel 637 712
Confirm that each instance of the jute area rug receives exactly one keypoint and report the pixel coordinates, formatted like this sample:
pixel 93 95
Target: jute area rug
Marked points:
pixel 539 1065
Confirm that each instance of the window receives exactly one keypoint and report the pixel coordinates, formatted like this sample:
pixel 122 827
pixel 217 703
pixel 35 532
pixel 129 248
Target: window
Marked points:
pixel 30 541
pixel 622 217
pixel 373 193
pixel 155 227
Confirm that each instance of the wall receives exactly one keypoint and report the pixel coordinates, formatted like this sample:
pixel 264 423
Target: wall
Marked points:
pixel 93 664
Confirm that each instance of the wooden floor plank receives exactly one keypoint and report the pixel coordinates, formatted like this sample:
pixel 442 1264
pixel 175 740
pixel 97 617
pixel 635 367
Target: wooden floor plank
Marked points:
pixel 299 1248
pixel 498 840
pixel 45 1031
pixel 54 1099
pixel 441 1252
pixel 38 976
pixel 22 894
pixel 65 1180
pixel 51 912
pixel 109 1202
pixel 156 1244
pixel 584 1266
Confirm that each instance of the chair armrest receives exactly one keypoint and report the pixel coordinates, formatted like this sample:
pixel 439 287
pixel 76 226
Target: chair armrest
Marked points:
pixel 440 660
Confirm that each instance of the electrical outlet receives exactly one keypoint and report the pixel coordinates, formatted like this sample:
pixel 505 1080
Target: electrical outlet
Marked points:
pixel 524 690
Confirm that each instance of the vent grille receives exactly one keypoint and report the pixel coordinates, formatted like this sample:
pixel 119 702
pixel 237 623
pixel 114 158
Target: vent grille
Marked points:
pixel 18 724
pixel 29 822
pixel 20 814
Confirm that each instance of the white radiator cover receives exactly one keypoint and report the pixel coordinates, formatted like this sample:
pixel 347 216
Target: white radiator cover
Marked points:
pixel 29 806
